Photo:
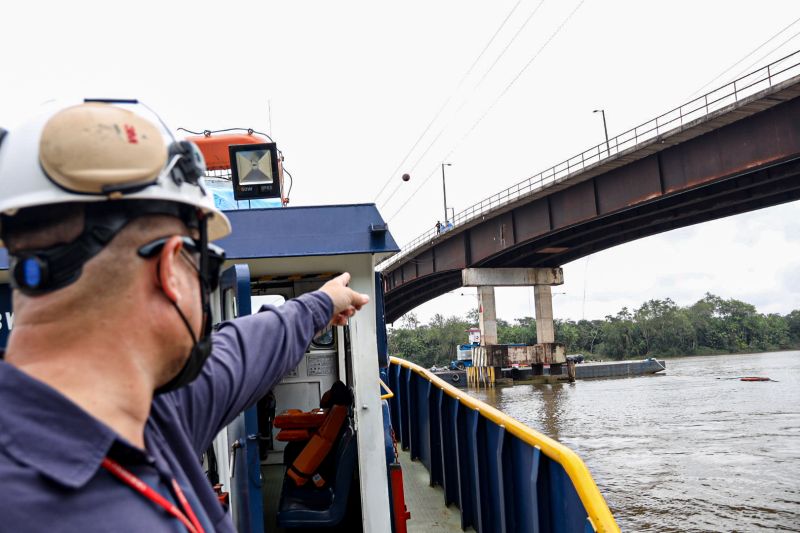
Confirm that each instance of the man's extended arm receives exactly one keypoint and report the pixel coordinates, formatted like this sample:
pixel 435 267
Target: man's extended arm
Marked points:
pixel 250 355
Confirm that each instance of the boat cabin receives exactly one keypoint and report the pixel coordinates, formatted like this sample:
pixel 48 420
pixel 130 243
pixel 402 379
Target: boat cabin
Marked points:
pixel 275 255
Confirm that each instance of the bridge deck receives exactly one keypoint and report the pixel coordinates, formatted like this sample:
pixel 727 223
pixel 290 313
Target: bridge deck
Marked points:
pixel 735 158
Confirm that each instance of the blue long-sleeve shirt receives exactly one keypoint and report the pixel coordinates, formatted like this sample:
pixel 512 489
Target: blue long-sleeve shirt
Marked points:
pixel 51 450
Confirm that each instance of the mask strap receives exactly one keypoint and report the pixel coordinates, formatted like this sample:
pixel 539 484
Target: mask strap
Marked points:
pixel 186 323
pixel 201 348
pixel 205 297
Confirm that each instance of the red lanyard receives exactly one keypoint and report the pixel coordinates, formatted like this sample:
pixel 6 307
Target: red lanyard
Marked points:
pixel 189 519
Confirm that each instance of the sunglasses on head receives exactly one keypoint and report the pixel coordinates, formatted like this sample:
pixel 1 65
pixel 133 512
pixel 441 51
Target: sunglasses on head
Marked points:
pixel 216 256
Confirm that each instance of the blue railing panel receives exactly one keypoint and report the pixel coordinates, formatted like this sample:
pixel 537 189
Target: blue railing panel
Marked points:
pixel 566 510
pixel 525 473
pixel 500 482
pixel 450 471
pixel 495 476
pixel 476 478
pixel 413 416
pixel 435 436
pixel 421 437
pixel 394 402
pixel 463 463
pixel 405 410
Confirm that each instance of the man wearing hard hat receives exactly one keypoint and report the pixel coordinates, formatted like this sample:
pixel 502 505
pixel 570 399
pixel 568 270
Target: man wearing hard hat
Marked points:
pixel 112 384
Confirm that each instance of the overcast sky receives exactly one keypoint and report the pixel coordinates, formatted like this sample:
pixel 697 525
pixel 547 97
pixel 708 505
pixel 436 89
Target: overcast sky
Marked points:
pixel 353 85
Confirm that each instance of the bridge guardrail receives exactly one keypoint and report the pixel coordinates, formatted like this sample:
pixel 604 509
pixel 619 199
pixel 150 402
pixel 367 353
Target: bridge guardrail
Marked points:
pixel 501 474
pixel 700 107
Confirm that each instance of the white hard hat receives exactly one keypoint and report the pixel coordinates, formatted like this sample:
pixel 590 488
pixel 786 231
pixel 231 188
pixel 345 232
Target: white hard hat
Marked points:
pixel 101 151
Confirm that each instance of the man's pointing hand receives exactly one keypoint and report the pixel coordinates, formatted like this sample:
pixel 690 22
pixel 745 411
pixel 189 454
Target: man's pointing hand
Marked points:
pixel 346 301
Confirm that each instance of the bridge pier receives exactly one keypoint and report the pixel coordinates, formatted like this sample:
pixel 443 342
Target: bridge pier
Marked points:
pixel 543 305
pixel 546 350
pixel 487 315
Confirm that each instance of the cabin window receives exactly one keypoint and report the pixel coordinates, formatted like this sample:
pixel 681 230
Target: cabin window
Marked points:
pixel 324 339
pixel 266 299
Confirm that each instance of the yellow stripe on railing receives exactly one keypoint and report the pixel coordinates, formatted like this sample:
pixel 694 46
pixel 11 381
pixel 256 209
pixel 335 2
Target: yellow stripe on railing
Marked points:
pixel 594 503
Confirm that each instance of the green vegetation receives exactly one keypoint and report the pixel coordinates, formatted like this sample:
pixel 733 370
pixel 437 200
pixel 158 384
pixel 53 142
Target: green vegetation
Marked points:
pixel 657 328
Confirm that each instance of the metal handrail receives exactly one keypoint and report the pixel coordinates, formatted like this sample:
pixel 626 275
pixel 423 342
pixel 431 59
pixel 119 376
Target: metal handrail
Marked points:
pixel 698 108
pixel 389 394
pixel 590 496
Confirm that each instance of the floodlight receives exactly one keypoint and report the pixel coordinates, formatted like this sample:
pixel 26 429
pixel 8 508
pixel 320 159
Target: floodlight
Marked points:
pixel 255 171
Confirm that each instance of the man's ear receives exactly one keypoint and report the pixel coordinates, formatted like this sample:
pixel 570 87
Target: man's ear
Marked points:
pixel 167 268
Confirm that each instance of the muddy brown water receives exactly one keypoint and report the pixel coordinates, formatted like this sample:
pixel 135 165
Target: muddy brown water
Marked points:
pixel 688 450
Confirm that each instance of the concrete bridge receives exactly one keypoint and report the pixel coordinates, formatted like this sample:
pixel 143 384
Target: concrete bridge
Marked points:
pixel 733 150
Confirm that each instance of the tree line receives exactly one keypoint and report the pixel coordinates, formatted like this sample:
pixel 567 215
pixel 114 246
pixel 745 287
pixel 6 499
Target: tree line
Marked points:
pixel 657 328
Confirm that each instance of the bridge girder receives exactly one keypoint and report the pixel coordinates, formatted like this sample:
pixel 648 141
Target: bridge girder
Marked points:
pixel 750 164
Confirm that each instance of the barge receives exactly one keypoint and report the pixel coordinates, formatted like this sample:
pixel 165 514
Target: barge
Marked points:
pixel 606 369
pixel 616 369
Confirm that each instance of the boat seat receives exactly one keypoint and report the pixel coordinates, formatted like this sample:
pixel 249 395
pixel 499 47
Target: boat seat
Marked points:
pixel 311 507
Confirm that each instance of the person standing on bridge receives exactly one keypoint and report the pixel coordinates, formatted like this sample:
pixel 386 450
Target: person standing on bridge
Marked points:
pixel 113 385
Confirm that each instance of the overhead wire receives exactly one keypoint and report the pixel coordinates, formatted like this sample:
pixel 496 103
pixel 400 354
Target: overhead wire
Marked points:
pixel 495 102
pixel 449 98
pixel 522 71
pixel 759 47
pixel 414 166
pixel 751 65
pixel 508 45
pixel 412 195
pixel 474 88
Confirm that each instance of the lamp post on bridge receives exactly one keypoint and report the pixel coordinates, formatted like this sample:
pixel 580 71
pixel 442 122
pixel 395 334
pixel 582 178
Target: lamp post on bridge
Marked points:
pixel 605 128
pixel 444 192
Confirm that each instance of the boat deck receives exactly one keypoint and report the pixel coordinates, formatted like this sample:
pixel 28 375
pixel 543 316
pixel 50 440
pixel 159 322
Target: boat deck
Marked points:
pixel 426 503
pixel 271 493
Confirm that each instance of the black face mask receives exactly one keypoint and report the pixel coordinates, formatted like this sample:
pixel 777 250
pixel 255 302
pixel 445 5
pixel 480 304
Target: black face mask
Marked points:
pixel 211 259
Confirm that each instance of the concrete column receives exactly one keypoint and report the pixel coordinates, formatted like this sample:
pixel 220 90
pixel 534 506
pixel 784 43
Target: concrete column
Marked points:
pixel 488 315
pixel 543 302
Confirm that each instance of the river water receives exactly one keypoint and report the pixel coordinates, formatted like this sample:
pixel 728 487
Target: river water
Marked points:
pixel 685 450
